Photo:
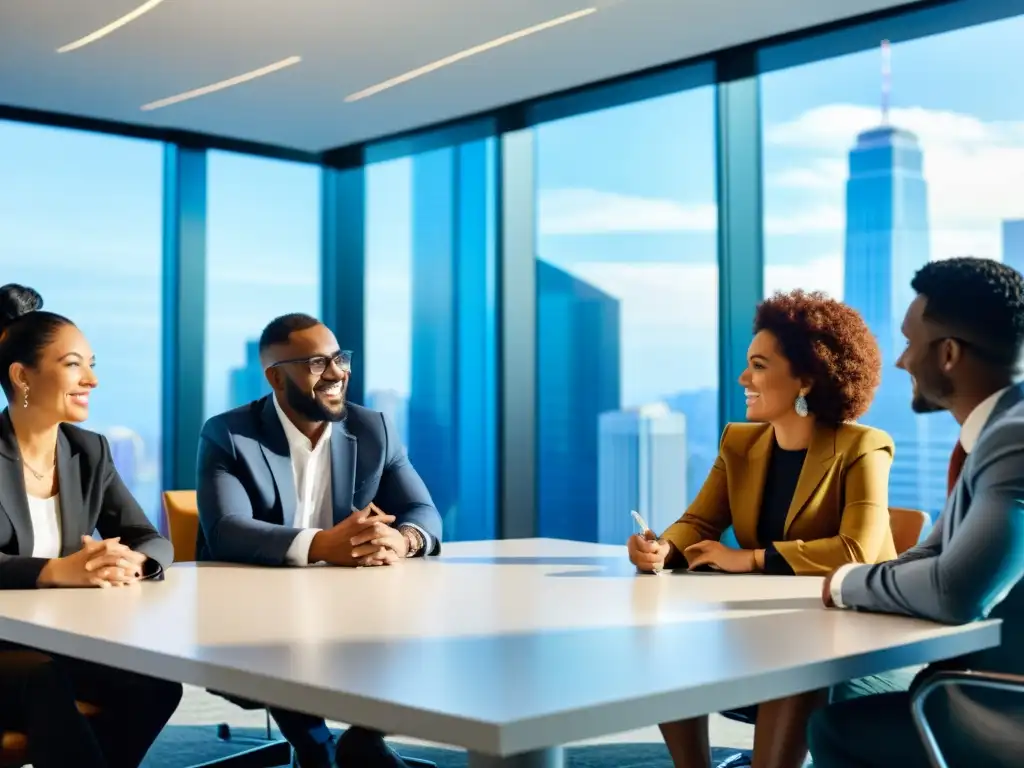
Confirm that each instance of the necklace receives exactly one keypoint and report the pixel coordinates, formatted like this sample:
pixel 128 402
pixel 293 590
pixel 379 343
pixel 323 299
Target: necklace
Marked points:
pixel 38 475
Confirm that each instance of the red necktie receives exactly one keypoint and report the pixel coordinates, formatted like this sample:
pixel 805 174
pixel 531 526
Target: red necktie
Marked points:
pixel 956 463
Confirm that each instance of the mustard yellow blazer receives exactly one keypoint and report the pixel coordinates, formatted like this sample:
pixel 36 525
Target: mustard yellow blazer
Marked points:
pixel 840 509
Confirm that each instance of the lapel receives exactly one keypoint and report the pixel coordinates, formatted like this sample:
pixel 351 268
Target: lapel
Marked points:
pixel 13 496
pixel 746 506
pixel 343 470
pixel 1007 400
pixel 72 503
pixel 278 456
pixel 820 458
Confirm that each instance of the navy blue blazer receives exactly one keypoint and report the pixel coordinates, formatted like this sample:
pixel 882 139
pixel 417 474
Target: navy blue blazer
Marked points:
pixel 246 488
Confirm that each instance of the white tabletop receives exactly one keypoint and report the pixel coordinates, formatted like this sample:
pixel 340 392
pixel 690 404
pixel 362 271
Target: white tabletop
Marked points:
pixel 500 647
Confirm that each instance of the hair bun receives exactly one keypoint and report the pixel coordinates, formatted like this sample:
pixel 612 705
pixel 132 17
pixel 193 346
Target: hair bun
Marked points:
pixel 17 300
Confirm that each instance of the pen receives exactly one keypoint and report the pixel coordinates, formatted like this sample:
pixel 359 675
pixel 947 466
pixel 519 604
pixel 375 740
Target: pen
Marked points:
pixel 644 528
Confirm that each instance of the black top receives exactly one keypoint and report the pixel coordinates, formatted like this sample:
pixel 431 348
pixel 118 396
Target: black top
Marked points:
pixel 92 498
pixel 780 485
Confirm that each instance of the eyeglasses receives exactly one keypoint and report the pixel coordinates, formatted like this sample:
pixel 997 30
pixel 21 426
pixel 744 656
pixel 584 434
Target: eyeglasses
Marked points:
pixel 318 363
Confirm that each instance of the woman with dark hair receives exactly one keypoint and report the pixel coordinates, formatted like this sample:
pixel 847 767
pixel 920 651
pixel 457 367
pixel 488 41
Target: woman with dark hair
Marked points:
pixel 58 485
pixel 804 487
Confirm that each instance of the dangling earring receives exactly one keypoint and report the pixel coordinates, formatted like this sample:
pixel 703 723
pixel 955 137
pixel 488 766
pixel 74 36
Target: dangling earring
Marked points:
pixel 24 402
pixel 800 406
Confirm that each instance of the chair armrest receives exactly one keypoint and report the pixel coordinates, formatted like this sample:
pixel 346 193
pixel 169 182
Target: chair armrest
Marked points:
pixel 992 680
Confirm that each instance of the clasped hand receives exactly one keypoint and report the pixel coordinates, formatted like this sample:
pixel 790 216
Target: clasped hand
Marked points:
pixel 105 563
pixel 364 538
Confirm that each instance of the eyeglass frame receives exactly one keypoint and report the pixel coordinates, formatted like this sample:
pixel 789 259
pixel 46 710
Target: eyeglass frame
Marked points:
pixel 342 358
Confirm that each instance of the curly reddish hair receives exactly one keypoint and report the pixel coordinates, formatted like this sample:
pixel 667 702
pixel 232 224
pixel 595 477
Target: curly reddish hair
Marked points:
pixel 828 343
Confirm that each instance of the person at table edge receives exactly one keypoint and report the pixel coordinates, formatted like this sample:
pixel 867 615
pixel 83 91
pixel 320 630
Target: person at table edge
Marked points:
pixel 804 488
pixel 302 476
pixel 965 335
pixel 59 485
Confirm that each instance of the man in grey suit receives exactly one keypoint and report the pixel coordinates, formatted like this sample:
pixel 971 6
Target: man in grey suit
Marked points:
pixel 303 477
pixel 965 333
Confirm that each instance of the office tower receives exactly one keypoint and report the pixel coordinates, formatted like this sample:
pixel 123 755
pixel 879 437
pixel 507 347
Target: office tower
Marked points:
pixel 1013 243
pixel 642 466
pixel 887 241
pixel 579 373
pixel 394 405
pixel 247 383
pixel 128 453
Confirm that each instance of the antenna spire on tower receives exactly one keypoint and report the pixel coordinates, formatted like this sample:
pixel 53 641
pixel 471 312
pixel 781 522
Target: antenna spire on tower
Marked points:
pixel 886 80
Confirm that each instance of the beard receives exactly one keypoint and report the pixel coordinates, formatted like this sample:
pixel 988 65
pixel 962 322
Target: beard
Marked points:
pixel 309 407
pixel 931 389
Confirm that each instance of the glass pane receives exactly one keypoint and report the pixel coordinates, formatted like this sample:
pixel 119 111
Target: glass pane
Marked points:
pixel 627 292
pixel 262 260
pixel 862 189
pixel 82 225
pixel 430 344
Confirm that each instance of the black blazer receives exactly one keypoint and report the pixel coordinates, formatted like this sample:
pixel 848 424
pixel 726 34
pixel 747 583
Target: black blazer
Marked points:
pixel 92 498
pixel 246 487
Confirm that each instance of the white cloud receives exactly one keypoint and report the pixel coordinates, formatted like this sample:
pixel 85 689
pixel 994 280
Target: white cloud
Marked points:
pixel 821 274
pixel 575 210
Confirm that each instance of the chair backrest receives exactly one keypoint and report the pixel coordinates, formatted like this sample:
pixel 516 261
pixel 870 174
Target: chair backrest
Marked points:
pixel 906 526
pixel 182 512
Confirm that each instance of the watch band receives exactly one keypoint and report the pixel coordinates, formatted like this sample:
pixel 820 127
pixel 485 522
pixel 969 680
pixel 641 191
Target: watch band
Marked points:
pixel 414 539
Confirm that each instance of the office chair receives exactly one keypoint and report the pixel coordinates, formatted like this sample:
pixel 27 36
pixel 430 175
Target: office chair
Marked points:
pixel 990 680
pixel 182 511
pixel 906 526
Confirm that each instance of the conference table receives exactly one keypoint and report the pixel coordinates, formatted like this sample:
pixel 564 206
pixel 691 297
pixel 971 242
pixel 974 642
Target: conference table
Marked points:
pixel 508 649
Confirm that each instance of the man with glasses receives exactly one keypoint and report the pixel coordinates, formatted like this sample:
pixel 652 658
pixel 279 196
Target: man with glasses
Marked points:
pixel 965 335
pixel 301 477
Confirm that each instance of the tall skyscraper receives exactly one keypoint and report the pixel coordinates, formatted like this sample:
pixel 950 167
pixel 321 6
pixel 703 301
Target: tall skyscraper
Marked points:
pixel 248 383
pixel 578 357
pixel 641 465
pixel 887 241
pixel 1013 244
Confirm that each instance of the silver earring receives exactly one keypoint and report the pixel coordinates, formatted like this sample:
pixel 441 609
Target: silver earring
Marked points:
pixel 800 406
pixel 24 402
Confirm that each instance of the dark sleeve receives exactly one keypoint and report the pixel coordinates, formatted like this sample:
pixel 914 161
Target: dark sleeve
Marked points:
pixel 121 516
pixel 225 511
pixel 775 564
pixel 403 493
pixel 20 572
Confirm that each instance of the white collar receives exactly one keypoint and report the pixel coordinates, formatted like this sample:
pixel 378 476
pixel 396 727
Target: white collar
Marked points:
pixel 970 431
pixel 292 434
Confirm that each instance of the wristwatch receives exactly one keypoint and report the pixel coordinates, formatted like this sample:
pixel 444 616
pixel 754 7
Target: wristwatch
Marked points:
pixel 413 538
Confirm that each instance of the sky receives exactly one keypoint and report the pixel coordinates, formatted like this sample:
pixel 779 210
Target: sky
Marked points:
pixel 626 201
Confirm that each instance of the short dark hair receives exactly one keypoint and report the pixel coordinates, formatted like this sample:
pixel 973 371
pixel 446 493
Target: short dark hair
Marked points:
pixel 979 298
pixel 829 343
pixel 25 330
pixel 280 328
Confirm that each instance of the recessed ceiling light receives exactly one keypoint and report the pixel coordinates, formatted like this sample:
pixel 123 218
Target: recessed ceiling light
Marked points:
pixel 220 86
pixel 497 42
pixel 112 26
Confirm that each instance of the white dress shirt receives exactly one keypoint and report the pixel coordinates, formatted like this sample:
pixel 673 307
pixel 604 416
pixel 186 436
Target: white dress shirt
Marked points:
pixel 311 469
pixel 970 431
pixel 45 517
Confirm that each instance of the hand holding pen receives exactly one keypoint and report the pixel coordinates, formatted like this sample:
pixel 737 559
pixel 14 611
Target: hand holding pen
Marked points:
pixel 646 552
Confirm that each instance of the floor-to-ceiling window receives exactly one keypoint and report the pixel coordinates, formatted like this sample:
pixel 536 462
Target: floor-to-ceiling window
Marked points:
pixel 80 221
pixel 429 334
pixel 627 324
pixel 262 260
pixel 877 162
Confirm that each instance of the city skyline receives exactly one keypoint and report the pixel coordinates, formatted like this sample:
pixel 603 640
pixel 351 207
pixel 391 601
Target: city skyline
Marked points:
pixel 626 202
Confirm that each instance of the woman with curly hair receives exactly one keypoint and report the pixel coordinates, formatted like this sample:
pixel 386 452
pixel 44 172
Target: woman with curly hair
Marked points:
pixel 804 487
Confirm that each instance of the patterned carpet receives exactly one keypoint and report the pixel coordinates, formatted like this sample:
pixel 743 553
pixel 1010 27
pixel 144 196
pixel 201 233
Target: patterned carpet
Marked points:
pixel 183 745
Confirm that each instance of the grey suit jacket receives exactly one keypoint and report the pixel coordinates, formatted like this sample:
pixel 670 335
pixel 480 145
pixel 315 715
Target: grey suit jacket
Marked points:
pixel 971 564
pixel 92 498
pixel 246 486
